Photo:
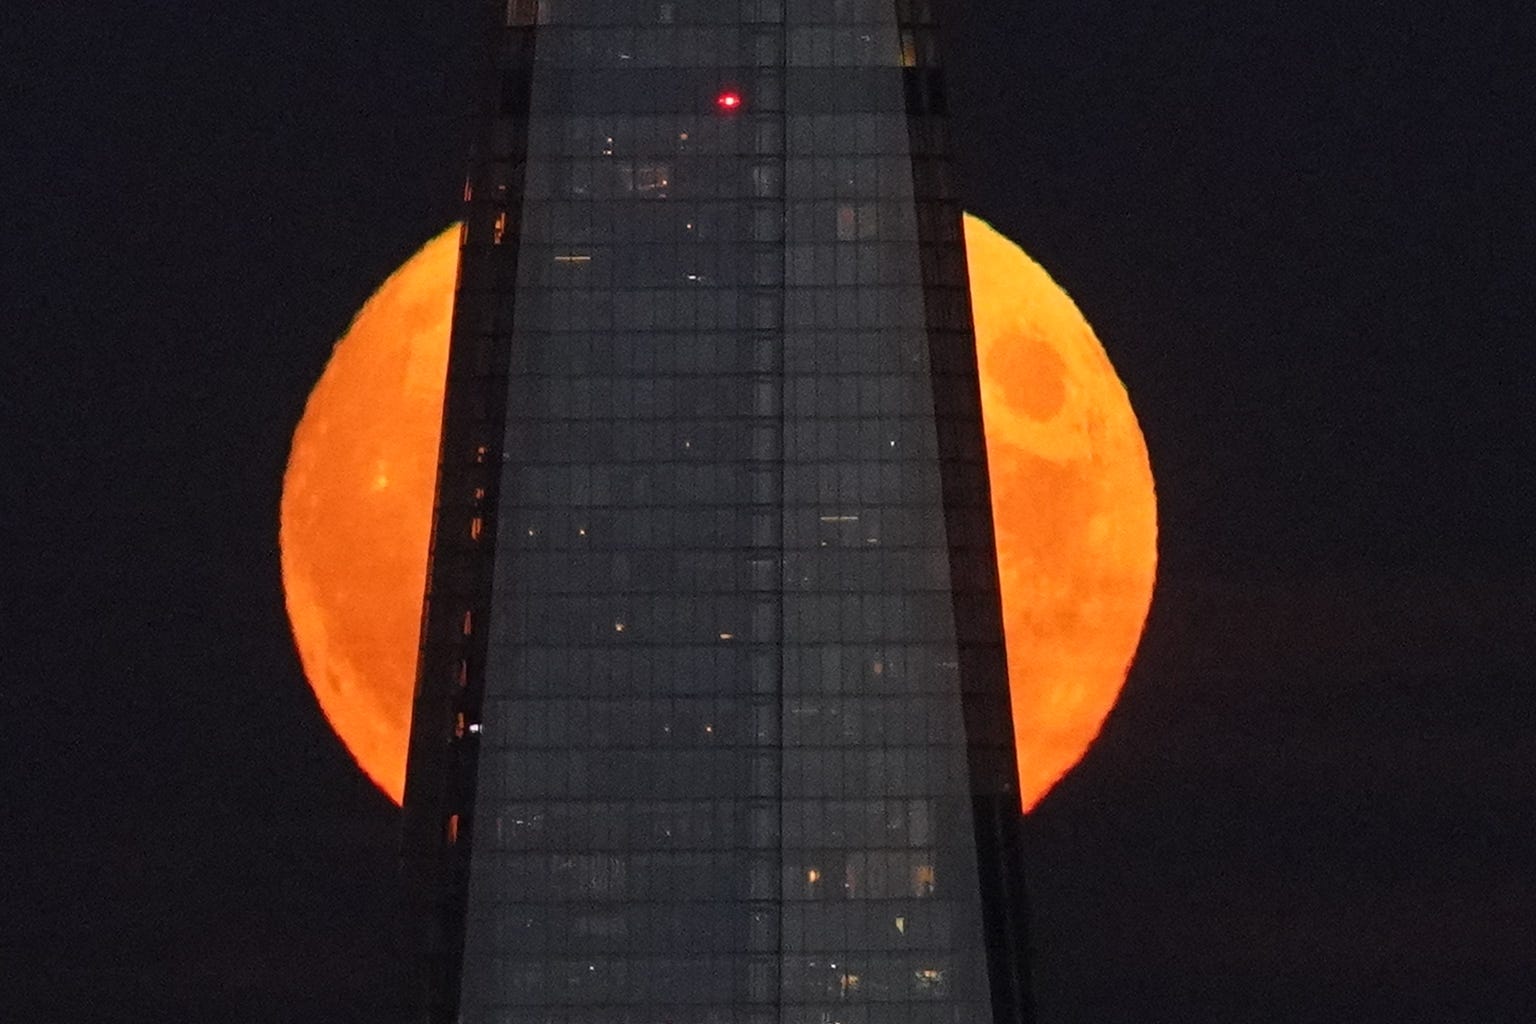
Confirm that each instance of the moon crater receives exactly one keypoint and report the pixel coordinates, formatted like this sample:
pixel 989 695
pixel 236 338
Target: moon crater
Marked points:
pixel 1072 496
pixel 1031 376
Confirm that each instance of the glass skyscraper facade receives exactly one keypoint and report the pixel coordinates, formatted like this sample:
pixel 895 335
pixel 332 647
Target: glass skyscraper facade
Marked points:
pixel 712 720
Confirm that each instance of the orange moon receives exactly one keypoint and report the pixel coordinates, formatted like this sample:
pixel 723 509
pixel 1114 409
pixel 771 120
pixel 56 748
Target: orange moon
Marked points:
pixel 1072 497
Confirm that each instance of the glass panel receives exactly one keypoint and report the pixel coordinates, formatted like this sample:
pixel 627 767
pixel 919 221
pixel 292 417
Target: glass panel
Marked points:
pixel 737 643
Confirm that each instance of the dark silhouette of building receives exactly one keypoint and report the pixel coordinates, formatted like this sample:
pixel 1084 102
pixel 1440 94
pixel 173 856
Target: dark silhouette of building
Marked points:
pixel 712 720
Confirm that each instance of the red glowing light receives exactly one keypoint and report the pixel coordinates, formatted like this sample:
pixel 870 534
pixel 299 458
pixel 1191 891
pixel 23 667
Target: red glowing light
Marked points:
pixel 729 100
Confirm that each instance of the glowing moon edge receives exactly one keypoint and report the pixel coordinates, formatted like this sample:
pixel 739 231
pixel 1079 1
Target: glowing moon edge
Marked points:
pixel 1073 497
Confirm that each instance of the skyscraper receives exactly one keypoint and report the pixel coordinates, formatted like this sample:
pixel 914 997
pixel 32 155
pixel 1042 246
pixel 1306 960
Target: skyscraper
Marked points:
pixel 712 720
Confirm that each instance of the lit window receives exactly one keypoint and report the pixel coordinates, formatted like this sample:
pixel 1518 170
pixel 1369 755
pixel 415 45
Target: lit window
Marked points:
pixel 453 828
pixel 928 979
pixel 652 179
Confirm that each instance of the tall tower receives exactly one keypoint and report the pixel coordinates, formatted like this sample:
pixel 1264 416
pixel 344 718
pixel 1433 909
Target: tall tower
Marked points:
pixel 712 720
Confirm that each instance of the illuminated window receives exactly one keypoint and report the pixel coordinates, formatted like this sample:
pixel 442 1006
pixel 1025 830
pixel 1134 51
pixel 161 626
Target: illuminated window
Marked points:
pixel 652 179
pixel 452 830
pixel 888 874
pixel 476 527
pixel 928 979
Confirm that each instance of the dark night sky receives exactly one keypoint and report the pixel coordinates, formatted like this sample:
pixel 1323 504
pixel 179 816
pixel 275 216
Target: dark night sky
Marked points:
pixel 1305 234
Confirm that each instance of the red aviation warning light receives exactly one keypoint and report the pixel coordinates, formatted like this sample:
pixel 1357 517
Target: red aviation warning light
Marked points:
pixel 729 101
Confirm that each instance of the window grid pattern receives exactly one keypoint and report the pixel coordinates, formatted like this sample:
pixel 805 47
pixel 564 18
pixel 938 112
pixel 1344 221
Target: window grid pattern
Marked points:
pixel 727 740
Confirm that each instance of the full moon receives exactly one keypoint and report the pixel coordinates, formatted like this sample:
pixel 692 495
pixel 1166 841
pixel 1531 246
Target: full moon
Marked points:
pixel 1072 499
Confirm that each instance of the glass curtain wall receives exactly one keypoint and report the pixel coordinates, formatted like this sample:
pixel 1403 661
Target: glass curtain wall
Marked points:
pixel 723 756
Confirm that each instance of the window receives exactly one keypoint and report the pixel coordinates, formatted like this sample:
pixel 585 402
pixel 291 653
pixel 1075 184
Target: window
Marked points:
pixel 522 12
pixel 652 179
pixel 928 980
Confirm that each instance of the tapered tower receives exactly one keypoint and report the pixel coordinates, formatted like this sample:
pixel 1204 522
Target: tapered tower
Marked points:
pixel 712 721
